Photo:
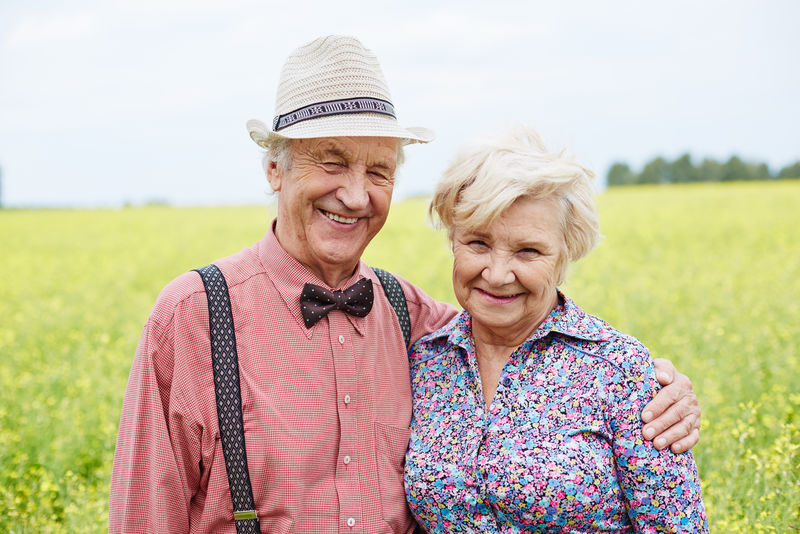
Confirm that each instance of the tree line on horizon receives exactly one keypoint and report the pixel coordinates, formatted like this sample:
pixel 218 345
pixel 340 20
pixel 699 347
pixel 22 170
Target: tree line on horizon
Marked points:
pixel 683 170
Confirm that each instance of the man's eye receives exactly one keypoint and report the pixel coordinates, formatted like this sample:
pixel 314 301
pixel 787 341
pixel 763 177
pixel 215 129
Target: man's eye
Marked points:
pixel 477 243
pixel 529 250
pixel 379 176
pixel 333 163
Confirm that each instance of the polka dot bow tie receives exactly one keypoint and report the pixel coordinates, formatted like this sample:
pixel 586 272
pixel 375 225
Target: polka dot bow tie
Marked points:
pixel 316 302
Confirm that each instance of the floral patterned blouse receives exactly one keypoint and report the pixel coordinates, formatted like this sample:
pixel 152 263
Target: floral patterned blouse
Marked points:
pixel 560 448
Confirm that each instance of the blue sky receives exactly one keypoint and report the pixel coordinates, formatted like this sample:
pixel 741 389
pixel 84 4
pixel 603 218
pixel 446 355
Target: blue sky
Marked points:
pixel 103 103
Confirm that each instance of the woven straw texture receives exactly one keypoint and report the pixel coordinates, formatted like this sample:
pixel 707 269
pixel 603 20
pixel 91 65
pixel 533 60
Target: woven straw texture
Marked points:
pixel 331 68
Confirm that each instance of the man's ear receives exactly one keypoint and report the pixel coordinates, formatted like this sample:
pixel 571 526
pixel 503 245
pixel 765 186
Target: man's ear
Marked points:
pixel 275 175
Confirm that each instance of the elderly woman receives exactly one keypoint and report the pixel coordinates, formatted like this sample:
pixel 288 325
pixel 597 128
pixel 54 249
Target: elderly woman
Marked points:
pixel 527 409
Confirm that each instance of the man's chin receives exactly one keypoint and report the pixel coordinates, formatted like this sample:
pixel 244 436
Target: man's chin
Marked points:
pixel 337 261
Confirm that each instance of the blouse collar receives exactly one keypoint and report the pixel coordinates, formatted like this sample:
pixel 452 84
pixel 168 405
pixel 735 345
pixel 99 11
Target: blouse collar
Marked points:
pixel 566 318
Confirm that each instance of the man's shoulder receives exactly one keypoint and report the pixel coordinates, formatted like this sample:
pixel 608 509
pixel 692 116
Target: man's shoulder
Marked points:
pixel 187 290
pixel 418 297
pixel 426 313
pixel 240 267
pixel 411 291
pixel 182 290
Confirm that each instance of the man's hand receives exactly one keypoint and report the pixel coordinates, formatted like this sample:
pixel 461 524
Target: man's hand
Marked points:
pixel 673 416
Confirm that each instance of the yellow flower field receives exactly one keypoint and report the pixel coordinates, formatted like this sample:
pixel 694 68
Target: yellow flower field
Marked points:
pixel 706 275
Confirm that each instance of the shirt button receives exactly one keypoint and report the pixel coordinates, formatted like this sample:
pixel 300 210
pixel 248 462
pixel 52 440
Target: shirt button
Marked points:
pixel 346 460
pixel 347 399
pixel 351 522
pixel 341 340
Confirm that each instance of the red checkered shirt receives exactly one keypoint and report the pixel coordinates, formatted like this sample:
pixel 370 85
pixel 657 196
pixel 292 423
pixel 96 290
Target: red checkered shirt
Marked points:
pixel 326 410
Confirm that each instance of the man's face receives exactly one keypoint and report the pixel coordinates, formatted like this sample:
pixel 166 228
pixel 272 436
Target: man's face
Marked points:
pixel 333 200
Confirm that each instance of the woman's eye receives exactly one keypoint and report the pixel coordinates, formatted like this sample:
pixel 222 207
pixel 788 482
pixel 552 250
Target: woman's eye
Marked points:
pixel 477 243
pixel 529 253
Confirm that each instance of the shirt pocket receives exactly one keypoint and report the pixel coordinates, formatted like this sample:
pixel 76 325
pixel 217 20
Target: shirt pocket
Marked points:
pixel 391 444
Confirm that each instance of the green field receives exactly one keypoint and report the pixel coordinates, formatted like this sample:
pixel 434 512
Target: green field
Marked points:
pixel 707 275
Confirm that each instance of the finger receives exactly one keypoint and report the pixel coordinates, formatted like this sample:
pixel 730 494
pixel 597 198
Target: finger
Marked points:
pixel 683 410
pixel 683 445
pixel 686 407
pixel 682 429
pixel 680 379
pixel 667 419
pixel 681 387
pixel 665 371
pixel 665 398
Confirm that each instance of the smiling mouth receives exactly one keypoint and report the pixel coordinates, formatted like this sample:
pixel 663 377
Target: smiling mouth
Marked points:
pixel 339 218
pixel 498 298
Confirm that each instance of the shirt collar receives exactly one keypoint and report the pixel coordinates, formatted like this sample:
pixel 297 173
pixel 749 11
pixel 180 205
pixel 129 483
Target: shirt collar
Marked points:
pixel 288 276
pixel 566 318
pixel 569 319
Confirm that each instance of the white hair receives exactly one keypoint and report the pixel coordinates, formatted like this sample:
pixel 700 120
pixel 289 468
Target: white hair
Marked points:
pixel 489 174
pixel 278 151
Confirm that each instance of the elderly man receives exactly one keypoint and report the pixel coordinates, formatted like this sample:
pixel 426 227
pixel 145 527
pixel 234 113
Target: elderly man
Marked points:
pixel 302 419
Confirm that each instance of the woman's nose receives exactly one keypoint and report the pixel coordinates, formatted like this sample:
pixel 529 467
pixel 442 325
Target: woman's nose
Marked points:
pixel 498 272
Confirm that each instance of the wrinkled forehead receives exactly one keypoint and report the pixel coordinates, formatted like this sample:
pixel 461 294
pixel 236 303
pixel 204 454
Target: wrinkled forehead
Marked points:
pixel 369 150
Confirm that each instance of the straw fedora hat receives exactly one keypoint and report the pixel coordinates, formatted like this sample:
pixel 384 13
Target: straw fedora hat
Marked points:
pixel 333 87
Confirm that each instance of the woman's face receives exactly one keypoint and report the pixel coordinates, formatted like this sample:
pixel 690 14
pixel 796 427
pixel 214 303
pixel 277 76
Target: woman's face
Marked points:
pixel 505 275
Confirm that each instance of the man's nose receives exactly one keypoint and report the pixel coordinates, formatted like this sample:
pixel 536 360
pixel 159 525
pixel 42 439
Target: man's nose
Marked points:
pixel 353 192
pixel 498 272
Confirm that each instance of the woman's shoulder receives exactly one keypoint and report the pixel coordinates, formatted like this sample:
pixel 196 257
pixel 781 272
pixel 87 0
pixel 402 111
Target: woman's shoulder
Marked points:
pixel 442 341
pixel 621 349
pixel 594 336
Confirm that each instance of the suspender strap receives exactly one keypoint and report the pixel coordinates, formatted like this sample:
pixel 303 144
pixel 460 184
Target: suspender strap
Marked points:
pixel 229 398
pixel 397 298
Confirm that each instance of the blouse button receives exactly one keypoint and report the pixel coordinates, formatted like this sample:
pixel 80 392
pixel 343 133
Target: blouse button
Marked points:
pixel 506 381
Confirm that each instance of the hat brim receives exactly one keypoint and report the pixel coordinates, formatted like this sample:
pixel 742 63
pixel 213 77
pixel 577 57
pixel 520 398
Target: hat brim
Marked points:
pixel 352 125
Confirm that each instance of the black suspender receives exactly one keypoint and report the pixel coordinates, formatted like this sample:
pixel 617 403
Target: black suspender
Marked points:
pixel 397 298
pixel 229 398
pixel 226 384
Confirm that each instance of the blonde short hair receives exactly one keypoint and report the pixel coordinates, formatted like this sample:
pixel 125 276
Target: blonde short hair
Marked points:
pixel 490 173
